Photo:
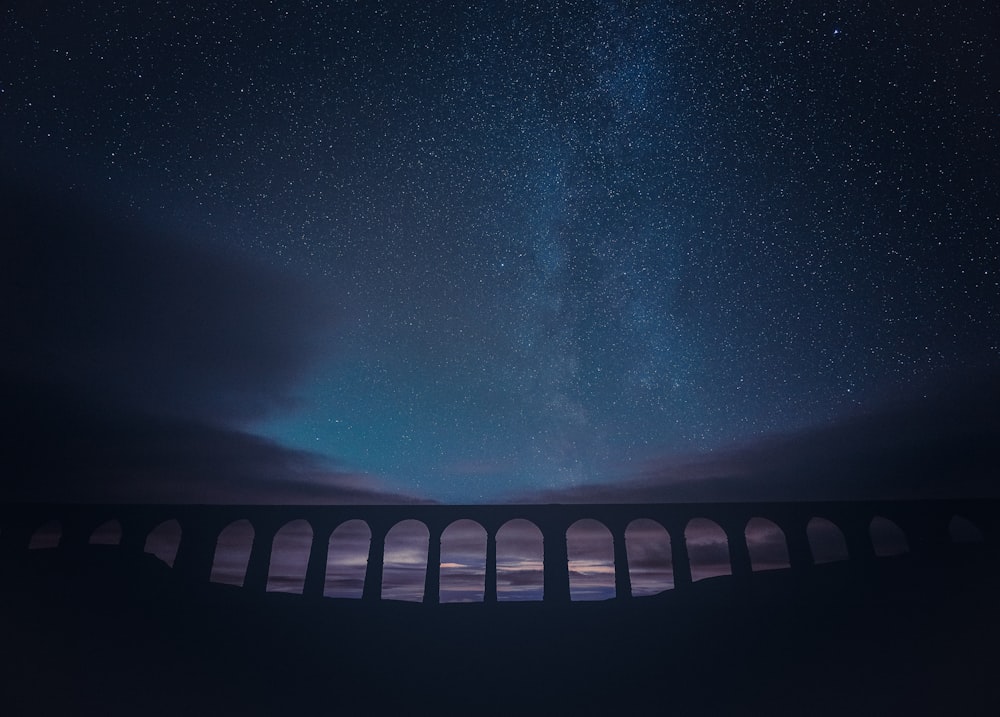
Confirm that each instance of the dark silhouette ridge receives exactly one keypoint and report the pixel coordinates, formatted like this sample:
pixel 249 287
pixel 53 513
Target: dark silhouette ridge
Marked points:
pixel 108 629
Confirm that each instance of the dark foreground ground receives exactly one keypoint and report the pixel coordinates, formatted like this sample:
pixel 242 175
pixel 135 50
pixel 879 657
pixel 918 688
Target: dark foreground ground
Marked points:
pixel 102 635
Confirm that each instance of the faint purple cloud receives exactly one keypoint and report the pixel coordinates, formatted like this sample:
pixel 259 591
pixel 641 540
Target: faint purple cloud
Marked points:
pixel 942 445
pixel 132 362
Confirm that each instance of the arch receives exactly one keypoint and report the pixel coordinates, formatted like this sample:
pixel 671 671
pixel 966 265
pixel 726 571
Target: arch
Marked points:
pixel 708 549
pixel 109 533
pixel 888 539
pixel 163 541
pixel 826 541
pixel 767 545
pixel 591 552
pixel 232 553
pixel 963 530
pixel 404 568
pixel 289 557
pixel 463 562
pixel 347 560
pixel 650 565
pixel 520 561
pixel 48 535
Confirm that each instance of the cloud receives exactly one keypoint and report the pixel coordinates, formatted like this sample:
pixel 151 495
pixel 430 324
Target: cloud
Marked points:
pixel 132 362
pixel 61 447
pixel 148 321
pixel 945 444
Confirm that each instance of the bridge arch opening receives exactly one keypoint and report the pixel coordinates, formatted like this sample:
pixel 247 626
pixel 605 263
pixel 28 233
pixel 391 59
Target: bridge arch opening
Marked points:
pixel 520 561
pixel 232 553
pixel 964 531
pixel 766 544
pixel 650 562
pixel 826 541
pixel 163 541
pixel 289 557
pixel 708 549
pixel 48 535
pixel 347 560
pixel 405 563
pixel 591 553
pixel 463 562
pixel 888 539
pixel 109 533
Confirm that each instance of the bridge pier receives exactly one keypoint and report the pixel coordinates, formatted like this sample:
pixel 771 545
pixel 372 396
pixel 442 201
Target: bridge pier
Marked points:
pixel 490 593
pixel 134 532
pixel 679 556
pixel 623 581
pixel 315 580
pixel 799 552
pixel 739 551
pixel 556 558
pixel 857 535
pixel 432 582
pixel 75 534
pixel 372 591
pixel 196 550
pixel 260 559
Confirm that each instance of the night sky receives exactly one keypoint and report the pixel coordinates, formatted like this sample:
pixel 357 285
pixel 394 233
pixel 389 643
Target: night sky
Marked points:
pixel 370 252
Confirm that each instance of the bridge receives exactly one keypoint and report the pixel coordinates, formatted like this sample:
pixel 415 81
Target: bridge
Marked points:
pixel 928 529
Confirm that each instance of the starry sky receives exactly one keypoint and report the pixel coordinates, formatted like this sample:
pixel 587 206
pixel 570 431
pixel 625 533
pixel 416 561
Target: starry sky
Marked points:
pixel 325 252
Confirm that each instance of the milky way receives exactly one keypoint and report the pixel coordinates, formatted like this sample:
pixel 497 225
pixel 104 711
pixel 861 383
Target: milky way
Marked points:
pixel 563 242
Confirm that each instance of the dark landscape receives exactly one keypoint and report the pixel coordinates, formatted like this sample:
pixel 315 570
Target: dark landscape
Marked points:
pixel 100 630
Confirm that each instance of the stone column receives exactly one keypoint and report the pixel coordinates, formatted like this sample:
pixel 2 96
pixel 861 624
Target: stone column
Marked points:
pixel 679 556
pixel 432 582
pixel 75 533
pixel 739 551
pixel 858 536
pixel 799 552
pixel 376 561
pixel 926 535
pixel 260 559
pixel 623 581
pixel 134 532
pixel 316 567
pixel 490 595
pixel 556 571
pixel 196 550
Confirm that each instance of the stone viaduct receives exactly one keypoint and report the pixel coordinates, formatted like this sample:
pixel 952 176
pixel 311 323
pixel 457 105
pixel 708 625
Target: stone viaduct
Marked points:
pixel 925 524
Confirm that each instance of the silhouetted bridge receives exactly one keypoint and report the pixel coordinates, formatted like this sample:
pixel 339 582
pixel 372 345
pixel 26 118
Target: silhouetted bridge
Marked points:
pixel 926 528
